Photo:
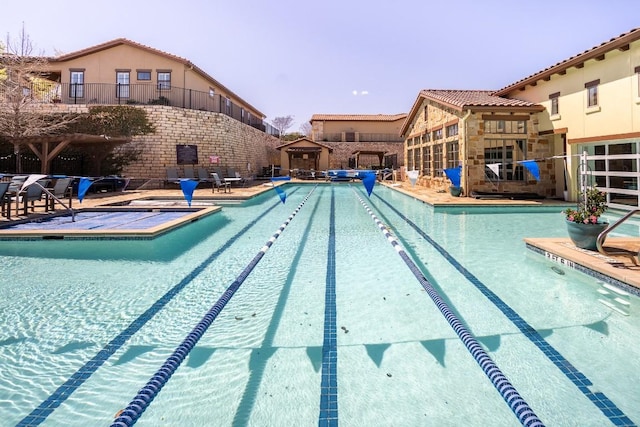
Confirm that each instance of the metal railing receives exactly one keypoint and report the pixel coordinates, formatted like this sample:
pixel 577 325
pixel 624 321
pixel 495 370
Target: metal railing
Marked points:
pixel 358 137
pixel 602 236
pixel 142 94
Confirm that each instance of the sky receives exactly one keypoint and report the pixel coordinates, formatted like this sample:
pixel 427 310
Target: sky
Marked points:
pixel 298 57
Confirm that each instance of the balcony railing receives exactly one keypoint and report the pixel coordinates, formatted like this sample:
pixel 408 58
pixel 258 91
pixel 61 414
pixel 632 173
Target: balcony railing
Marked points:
pixel 144 94
pixel 359 137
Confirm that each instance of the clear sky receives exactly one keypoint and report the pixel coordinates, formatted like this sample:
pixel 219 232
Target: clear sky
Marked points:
pixel 299 57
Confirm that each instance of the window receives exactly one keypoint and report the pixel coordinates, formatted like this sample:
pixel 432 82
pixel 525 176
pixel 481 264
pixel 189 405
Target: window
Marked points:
pixel 164 80
pixel 228 106
pixel 554 97
pixel 426 161
pixel 505 126
pixel 416 158
pixel 437 159
pixel 592 93
pixel 410 160
pixel 212 92
pixel 144 75
pixel 505 153
pixel 426 113
pixel 122 84
pixel 452 130
pixel 614 168
pixel 426 137
pixel 437 134
pixel 76 88
pixel 453 154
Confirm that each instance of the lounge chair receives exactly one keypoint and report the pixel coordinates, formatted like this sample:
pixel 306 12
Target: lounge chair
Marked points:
pixel 172 176
pixel 203 175
pixel 217 183
pixel 189 173
pixel 31 195
pixel 61 189
pixel 5 200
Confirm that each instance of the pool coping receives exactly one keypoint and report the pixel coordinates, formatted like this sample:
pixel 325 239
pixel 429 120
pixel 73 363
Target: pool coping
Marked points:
pixel 145 233
pixel 615 270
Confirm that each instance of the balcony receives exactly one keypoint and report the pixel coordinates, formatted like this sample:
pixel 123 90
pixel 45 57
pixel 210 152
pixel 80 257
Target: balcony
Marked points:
pixel 143 94
pixel 358 137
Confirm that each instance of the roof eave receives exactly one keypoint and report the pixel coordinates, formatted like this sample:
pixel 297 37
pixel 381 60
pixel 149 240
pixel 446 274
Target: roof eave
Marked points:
pixel 618 43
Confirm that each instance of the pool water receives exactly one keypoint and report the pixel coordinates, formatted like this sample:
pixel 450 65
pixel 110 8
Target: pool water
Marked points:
pixel 330 277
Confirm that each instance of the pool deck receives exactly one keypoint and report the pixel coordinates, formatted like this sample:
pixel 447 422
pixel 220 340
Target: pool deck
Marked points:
pixel 557 249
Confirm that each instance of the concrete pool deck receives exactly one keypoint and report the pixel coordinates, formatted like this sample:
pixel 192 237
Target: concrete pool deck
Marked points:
pixel 557 249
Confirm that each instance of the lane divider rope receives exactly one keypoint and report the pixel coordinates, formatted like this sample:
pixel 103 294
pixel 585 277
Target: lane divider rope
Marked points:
pixel 146 394
pixel 62 393
pixel 518 405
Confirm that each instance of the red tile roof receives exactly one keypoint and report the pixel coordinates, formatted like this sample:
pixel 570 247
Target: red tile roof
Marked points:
pixel 359 117
pixel 621 42
pixel 123 41
pixel 469 100
pixel 463 99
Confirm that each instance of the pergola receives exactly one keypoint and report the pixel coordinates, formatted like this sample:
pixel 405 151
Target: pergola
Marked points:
pixel 49 146
pixel 380 155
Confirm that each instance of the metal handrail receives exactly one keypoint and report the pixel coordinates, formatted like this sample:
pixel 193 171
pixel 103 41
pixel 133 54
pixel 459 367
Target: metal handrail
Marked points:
pixel 603 235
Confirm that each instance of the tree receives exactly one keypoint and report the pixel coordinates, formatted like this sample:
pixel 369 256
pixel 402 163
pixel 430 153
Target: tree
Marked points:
pixel 22 90
pixel 282 124
pixel 305 129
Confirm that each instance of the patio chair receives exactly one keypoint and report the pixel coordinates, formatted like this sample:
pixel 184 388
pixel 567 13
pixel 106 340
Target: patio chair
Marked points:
pixel 61 189
pixel 189 173
pixel 203 175
pixel 172 176
pixel 31 195
pixel 217 183
pixel 231 173
pixel 5 200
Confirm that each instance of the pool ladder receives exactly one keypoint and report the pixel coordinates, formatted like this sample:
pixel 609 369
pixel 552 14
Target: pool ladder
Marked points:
pixel 599 242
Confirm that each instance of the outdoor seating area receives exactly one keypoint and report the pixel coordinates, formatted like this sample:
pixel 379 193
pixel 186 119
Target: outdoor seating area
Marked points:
pixel 220 178
pixel 23 194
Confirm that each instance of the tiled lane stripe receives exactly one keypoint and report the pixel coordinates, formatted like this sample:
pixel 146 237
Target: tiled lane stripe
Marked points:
pixel 145 396
pixel 518 405
pixel 608 408
pixel 39 414
pixel 329 386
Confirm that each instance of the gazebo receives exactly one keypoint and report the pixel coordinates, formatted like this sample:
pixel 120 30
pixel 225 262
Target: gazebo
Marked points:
pixel 47 147
pixel 379 154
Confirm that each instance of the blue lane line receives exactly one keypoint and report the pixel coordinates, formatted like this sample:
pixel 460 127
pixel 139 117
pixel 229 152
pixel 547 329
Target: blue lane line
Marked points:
pixel 145 396
pixel 600 400
pixel 329 387
pixel 518 405
pixel 38 415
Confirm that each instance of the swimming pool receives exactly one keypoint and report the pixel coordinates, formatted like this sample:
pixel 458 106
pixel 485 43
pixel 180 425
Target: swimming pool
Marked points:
pixel 329 325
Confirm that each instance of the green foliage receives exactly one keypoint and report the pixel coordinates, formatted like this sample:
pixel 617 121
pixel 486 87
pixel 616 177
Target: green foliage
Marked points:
pixel 292 136
pixel 588 212
pixel 113 121
pixel 162 100
pixel 116 161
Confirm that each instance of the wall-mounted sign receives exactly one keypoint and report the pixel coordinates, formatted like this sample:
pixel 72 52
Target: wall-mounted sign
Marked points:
pixel 187 154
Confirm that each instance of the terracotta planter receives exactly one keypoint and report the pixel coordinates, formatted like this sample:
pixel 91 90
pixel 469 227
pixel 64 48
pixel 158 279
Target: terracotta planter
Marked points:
pixel 585 236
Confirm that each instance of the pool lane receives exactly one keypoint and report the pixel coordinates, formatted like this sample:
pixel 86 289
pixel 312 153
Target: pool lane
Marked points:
pixel 518 405
pixel 63 392
pixel 599 399
pixel 145 396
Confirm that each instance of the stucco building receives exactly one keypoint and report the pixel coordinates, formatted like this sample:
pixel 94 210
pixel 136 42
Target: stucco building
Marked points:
pixel 187 106
pixel 350 134
pixel 589 102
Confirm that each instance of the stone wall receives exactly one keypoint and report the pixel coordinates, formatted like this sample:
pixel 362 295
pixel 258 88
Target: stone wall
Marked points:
pixel 239 146
pixel 342 151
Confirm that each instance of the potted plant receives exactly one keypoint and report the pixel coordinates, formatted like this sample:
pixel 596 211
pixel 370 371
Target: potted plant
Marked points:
pixel 583 223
